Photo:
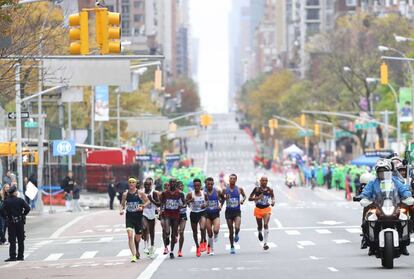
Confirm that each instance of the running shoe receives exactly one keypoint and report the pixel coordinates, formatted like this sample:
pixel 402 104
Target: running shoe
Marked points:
pixel 236 238
pixel 152 252
pixel 133 259
pixel 204 247
pixel 166 250
pixel 232 250
pixel 198 252
pixel 146 251
pixel 180 254
pixel 265 247
pixel 215 237
pixel 208 249
pixel 172 256
pixel 212 252
pixel 260 236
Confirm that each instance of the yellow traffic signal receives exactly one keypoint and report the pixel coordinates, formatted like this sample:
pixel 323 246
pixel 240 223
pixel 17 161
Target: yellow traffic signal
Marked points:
pixel 78 33
pixel 108 32
pixel 273 123
pixel 317 129
pixel 303 120
pixel 158 79
pixel 384 73
pixel 206 120
pixel 30 158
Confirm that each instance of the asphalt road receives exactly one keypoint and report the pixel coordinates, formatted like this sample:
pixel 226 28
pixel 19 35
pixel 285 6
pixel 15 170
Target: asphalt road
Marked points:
pixel 313 234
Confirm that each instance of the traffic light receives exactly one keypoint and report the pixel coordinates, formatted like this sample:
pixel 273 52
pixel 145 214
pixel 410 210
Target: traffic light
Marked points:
pixel 108 32
pixel 303 120
pixel 206 120
pixel 30 158
pixel 273 123
pixel 384 73
pixel 317 130
pixel 78 33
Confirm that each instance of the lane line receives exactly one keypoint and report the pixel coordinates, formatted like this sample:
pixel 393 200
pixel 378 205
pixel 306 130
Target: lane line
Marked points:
pixel 236 246
pixel 323 231
pixel 124 253
pixel 106 239
pixel 76 240
pixel 62 229
pixel 53 257
pixel 278 224
pixel 153 266
pixel 333 269
pixel 341 241
pixel 306 243
pixel 354 230
pixel 292 232
pixel 88 255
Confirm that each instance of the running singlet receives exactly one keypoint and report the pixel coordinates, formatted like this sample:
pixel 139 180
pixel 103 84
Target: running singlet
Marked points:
pixel 197 204
pixel 265 199
pixel 133 202
pixel 172 202
pixel 233 199
pixel 149 210
pixel 212 202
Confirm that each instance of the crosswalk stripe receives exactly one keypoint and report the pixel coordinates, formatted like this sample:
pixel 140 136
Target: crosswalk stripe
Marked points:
pixel 124 253
pixel 54 257
pixel 323 231
pixel 306 243
pixel 341 241
pixel 88 255
pixel 106 239
pixel 294 232
pixel 354 230
pixel 72 241
pixel 236 246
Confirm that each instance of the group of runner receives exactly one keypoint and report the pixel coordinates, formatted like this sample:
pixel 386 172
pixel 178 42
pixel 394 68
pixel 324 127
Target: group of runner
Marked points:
pixel 143 206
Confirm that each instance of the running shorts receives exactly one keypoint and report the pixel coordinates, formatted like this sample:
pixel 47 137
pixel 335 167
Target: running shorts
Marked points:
pixel 261 212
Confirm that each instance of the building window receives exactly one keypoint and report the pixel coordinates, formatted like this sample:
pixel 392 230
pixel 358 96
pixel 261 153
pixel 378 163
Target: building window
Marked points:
pixel 351 3
pixel 138 18
pixel 125 9
pixel 138 4
pixel 312 28
pixel 312 14
pixel 312 2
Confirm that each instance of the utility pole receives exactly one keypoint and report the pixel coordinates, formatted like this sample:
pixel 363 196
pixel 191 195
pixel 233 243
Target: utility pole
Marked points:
pixel 69 135
pixel 118 120
pixel 93 115
pixel 19 130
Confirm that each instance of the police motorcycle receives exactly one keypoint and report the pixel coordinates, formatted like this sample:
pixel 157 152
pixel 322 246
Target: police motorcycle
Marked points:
pixel 290 179
pixel 388 222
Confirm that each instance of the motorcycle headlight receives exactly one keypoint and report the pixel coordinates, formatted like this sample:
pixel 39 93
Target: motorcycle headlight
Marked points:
pixel 388 208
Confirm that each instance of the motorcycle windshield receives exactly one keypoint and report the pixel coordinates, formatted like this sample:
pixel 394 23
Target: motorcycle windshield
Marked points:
pixel 389 193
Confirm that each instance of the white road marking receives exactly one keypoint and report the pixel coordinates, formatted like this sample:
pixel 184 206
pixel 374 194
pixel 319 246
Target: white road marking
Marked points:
pixel 300 247
pixel 306 243
pixel 215 269
pixel 292 232
pixel 330 223
pixel 44 242
pixel 341 241
pixel 87 231
pixel 76 240
pixel 88 255
pixel 354 230
pixel 53 257
pixel 153 266
pixel 333 269
pixel 124 253
pixel 278 224
pixel 314 258
pixel 62 229
pixel 106 239
pixel 193 249
pixel 323 231
pixel 236 246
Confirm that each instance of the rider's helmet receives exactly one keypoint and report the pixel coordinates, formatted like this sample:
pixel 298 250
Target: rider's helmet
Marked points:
pixel 365 178
pixel 383 165
pixel 400 166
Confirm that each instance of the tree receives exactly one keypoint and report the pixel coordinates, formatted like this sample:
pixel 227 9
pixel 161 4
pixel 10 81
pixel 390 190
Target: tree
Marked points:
pixel 190 99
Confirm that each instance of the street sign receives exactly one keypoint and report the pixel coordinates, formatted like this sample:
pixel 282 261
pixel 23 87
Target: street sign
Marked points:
pixel 343 134
pixel 30 124
pixel 378 153
pixel 144 157
pixel 173 157
pixel 64 148
pixel 364 126
pixel 307 133
pixel 23 115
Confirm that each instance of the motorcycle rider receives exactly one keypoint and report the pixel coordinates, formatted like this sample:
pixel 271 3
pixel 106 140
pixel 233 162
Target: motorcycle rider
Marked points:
pixel 372 190
pixel 364 179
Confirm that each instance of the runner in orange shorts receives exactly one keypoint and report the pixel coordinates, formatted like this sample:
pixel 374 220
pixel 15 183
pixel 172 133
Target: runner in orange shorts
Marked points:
pixel 262 195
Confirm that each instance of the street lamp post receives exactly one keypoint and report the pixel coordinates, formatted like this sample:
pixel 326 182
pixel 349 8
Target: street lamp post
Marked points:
pixel 397 107
pixel 410 67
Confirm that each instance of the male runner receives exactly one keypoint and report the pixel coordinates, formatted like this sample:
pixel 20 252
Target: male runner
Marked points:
pixel 197 202
pixel 183 221
pixel 214 203
pixel 134 202
pixel 262 195
pixel 161 217
pixel 233 212
pixel 149 217
pixel 172 199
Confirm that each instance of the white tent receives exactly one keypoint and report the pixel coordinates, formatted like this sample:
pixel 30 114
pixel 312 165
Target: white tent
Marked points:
pixel 293 149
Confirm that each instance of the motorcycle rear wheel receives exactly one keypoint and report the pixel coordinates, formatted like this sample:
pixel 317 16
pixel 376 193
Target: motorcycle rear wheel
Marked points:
pixel 388 258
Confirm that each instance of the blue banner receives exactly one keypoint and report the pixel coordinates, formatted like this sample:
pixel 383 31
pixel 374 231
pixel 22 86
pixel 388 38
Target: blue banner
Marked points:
pixel 102 103
pixel 64 148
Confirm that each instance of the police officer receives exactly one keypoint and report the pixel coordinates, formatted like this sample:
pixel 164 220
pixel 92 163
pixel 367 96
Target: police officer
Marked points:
pixel 15 210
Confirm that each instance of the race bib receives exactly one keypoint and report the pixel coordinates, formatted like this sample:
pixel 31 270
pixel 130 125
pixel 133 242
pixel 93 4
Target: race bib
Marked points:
pixel 133 207
pixel 233 202
pixel 213 205
pixel 172 204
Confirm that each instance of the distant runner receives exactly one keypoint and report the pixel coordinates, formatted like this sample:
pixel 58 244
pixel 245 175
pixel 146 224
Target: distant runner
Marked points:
pixel 183 221
pixel 233 212
pixel 149 216
pixel 262 195
pixel 133 201
pixel 214 203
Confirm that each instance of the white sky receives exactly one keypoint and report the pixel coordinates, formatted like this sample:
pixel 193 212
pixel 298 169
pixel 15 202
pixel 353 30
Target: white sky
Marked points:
pixel 209 22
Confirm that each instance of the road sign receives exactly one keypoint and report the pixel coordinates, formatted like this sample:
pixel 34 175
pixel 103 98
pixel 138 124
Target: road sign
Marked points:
pixel 307 133
pixel 64 148
pixel 13 115
pixel 144 157
pixel 343 134
pixel 364 126
pixel 30 124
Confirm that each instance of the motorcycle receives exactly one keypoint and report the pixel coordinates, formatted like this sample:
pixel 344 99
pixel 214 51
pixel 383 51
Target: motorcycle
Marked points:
pixel 290 180
pixel 387 222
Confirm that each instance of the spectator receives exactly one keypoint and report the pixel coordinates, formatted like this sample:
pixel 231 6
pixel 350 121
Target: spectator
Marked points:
pixel 33 180
pixel 111 193
pixel 76 197
pixel 122 186
pixel 67 185
pixel 7 179
pixel 3 221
